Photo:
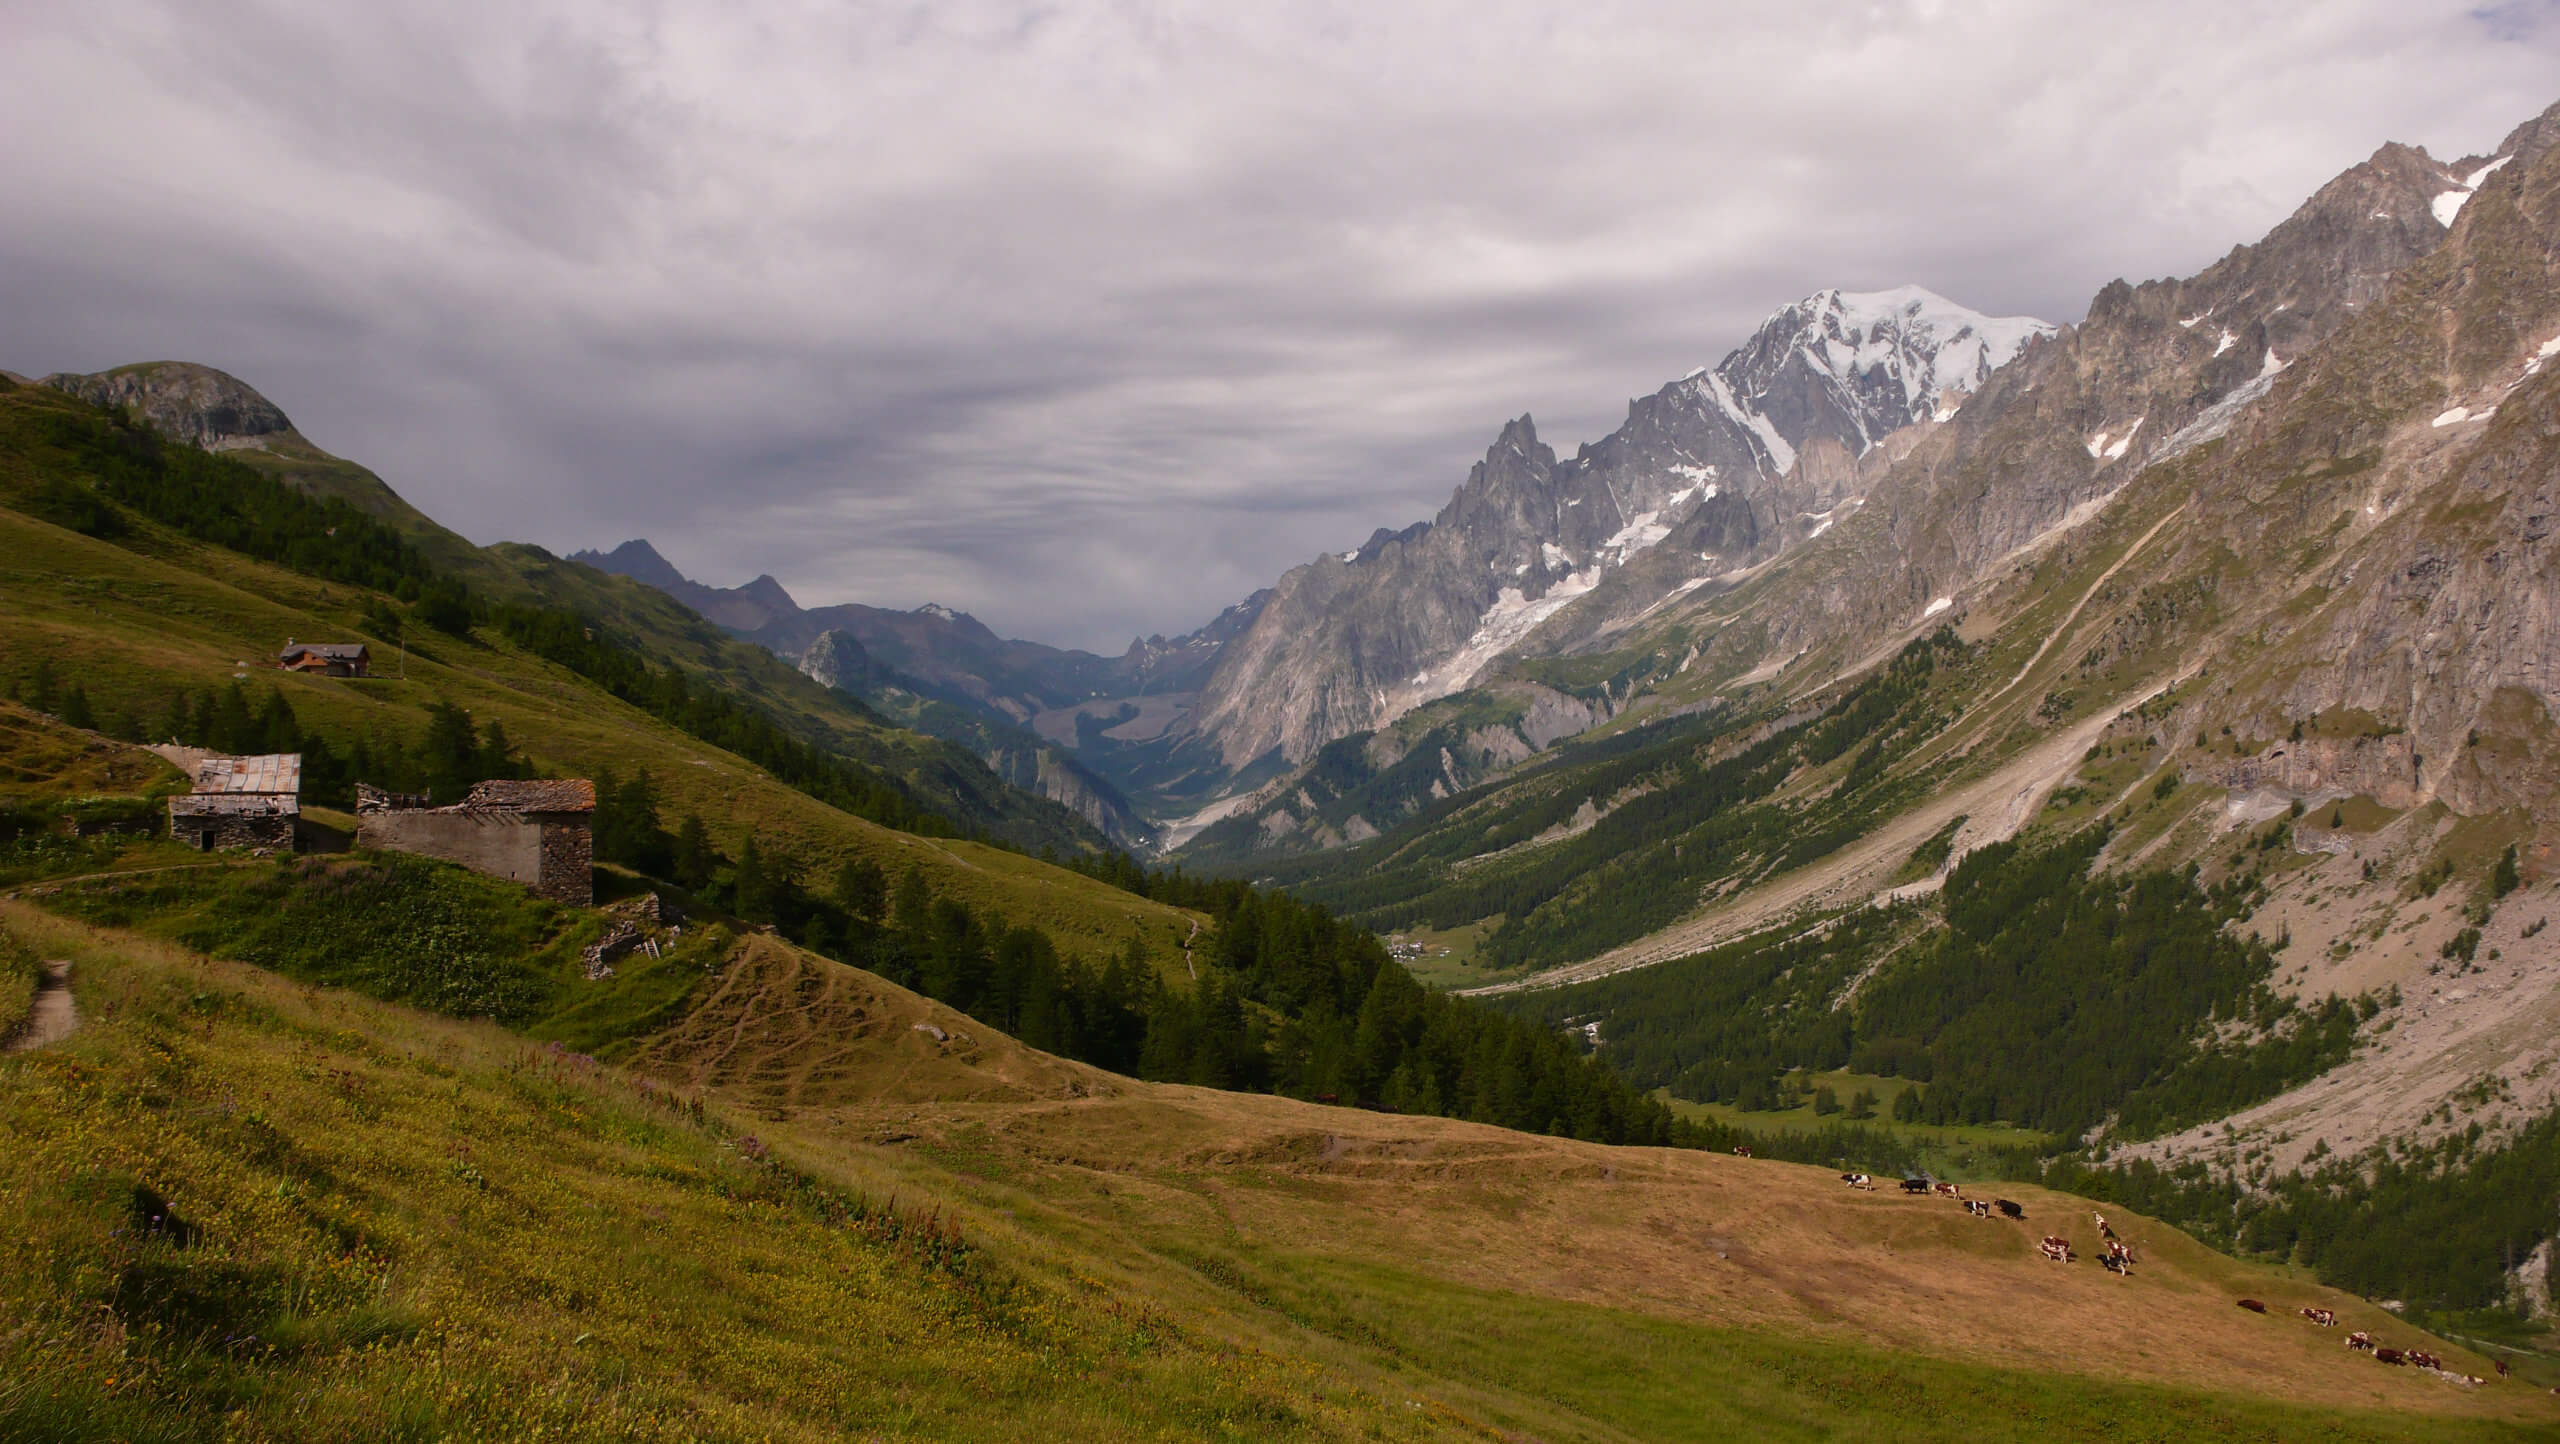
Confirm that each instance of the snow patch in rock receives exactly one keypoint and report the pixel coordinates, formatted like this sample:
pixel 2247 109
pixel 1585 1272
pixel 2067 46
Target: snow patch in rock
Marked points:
pixel 1781 455
pixel 1352 555
pixel 2549 349
pixel 1555 557
pixel 2116 452
pixel 1934 608
pixel 2448 418
pixel 2272 364
pixel 2226 343
pixel 2448 204
pixel 2191 322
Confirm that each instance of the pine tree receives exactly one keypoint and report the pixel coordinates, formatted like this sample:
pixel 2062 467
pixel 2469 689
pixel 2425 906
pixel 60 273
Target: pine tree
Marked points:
pixel 862 888
pixel 752 885
pixel 695 861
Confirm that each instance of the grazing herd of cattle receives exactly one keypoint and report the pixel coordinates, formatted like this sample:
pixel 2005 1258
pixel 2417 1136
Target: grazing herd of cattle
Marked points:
pixel 2118 1257
pixel 2119 1260
pixel 2363 1343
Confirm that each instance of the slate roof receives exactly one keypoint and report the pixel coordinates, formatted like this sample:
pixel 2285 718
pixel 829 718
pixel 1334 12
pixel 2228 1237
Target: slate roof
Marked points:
pixel 235 804
pixel 563 794
pixel 329 651
pixel 270 772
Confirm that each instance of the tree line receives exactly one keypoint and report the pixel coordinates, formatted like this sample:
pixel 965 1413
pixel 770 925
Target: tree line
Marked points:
pixel 2053 997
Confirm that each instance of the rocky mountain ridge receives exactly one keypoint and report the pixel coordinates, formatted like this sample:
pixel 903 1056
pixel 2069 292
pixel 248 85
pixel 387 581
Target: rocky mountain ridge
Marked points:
pixel 1730 464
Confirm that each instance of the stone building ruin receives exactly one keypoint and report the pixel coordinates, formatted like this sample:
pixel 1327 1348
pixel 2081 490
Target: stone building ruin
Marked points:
pixel 251 803
pixel 538 833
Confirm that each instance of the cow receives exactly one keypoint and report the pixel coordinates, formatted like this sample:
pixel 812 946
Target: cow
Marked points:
pixel 2118 1264
pixel 1977 1207
pixel 2424 1360
pixel 2105 1230
pixel 1858 1180
pixel 1949 1190
pixel 2323 1317
pixel 2253 1306
pixel 2055 1248
pixel 1915 1185
pixel 2502 1368
pixel 2391 1356
pixel 2010 1208
pixel 1741 1150
pixel 2359 1340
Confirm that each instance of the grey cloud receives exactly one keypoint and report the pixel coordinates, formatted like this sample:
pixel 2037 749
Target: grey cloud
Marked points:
pixel 1091 319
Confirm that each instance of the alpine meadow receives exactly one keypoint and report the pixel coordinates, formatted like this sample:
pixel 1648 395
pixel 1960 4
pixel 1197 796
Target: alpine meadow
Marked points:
pixel 1954 875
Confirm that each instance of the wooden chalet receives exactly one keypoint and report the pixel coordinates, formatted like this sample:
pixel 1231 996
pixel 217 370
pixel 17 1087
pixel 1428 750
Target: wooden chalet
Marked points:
pixel 331 659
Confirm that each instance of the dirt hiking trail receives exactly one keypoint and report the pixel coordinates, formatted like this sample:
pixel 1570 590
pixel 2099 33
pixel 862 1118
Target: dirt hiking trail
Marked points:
pixel 54 1016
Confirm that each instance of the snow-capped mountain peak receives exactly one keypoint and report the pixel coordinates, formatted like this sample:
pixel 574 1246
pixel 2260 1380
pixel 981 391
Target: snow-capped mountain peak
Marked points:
pixel 1868 362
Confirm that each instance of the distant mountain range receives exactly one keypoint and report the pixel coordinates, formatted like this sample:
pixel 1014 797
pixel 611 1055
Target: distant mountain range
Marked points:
pixel 1032 712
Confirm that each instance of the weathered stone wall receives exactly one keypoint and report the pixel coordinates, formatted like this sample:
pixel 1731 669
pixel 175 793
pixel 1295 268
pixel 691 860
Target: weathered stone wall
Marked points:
pixel 501 844
pixel 553 856
pixel 568 861
pixel 232 833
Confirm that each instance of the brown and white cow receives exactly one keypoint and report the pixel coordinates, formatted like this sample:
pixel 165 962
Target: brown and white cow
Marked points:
pixel 2359 1340
pixel 2323 1317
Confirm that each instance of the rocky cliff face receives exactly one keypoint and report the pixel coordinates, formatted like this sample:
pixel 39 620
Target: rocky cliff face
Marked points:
pixel 1734 461
pixel 195 404
pixel 2152 372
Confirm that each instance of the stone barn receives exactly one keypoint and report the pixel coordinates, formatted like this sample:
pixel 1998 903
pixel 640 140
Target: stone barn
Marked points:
pixel 327 659
pixel 241 802
pixel 535 833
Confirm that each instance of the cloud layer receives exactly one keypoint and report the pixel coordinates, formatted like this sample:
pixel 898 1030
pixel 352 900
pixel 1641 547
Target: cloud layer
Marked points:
pixel 1092 318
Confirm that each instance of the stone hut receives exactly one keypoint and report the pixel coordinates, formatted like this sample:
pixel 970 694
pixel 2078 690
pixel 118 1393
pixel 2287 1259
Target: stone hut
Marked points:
pixel 538 833
pixel 241 802
pixel 328 659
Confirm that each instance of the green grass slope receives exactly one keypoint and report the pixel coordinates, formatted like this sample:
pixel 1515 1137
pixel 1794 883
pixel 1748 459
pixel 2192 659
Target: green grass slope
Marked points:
pixel 247 1207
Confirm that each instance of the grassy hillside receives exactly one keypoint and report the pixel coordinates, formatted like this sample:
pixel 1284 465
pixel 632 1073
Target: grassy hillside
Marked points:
pixel 289 1213
pixel 89 471
pixel 138 617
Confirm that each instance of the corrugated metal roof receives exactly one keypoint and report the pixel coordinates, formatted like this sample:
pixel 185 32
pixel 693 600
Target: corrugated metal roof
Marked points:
pixel 269 772
pixel 565 794
pixel 340 651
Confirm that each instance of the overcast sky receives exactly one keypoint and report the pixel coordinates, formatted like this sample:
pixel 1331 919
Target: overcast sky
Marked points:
pixel 1091 319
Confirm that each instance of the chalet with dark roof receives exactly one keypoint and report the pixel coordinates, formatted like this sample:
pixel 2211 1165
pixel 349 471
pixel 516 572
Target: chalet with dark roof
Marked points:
pixel 328 659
